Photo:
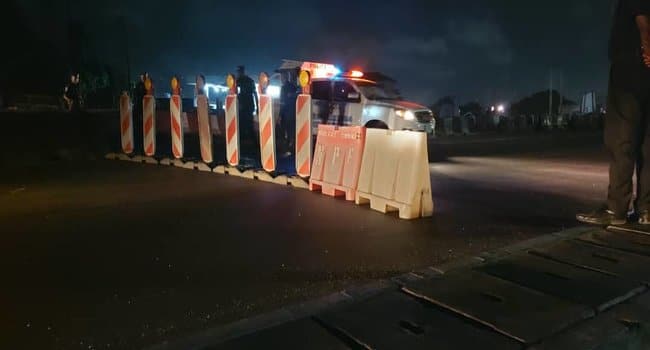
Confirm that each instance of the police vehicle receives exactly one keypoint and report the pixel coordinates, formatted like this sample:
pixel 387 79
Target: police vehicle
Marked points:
pixel 354 98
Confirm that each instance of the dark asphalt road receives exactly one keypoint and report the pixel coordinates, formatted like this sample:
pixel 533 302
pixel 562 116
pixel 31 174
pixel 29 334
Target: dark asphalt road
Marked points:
pixel 111 254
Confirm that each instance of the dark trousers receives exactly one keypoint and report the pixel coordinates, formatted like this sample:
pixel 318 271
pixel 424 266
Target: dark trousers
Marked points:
pixel 627 136
pixel 288 123
pixel 249 141
pixel 138 129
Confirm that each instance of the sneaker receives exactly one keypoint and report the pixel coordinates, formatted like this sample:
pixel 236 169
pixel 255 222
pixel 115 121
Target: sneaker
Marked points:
pixel 602 217
pixel 644 217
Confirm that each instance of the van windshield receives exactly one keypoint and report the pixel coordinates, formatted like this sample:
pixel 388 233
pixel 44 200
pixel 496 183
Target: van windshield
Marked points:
pixel 374 91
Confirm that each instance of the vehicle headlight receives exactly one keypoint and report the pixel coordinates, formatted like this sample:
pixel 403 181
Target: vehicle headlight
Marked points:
pixel 407 115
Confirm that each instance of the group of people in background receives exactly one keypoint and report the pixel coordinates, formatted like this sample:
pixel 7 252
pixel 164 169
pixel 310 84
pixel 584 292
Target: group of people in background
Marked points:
pixel 249 104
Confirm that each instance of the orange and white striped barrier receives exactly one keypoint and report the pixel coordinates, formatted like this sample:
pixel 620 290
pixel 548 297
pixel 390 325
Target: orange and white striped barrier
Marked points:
pixel 175 110
pixel 205 134
pixel 232 124
pixel 337 160
pixel 267 133
pixel 149 124
pixel 126 123
pixel 267 126
pixel 232 131
pixel 303 126
pixel 394 173
pixel 303 135
pixel 176 122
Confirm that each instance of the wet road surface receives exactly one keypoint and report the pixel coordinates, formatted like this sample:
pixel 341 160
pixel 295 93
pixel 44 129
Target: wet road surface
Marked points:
pixel 111 254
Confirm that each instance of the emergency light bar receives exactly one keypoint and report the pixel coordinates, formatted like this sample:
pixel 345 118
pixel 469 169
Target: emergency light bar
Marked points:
pixel 355 74
pixel 320 70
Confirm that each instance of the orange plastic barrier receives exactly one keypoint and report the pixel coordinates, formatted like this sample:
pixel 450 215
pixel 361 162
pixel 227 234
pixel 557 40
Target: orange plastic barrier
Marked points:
pixel 126 123
pixel 337 160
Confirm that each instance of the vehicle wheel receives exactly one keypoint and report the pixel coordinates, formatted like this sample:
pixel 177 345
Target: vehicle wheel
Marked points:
pixel 376 124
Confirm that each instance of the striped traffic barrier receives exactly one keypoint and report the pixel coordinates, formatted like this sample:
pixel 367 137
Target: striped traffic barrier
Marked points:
pixel 205 133
pixel 267 126
pixel 126 123
pixel 303 127
pixel 149 120
pixel 176 111
pixel 232 126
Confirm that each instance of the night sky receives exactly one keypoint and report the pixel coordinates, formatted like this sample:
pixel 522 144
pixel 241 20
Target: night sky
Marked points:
pixel 492 50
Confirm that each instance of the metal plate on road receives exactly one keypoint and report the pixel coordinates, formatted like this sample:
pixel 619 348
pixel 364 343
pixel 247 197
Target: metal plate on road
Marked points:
pixel 626 241
pixel 506 307
pixel 587 287
pixel 301 334
pixel 394 320
pixel 598 331
pixel 627 265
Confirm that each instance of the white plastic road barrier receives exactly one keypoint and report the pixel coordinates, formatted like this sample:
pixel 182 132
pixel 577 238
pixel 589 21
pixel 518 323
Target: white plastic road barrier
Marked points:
pixel 395 173
pixel 303 135
pixel 149 122
pixel 267 133
pixel 205 133
pixel 126 123
pixel 232 130
pixel 175 109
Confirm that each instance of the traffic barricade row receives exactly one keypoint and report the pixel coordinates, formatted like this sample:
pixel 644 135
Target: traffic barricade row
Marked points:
pixel 384 168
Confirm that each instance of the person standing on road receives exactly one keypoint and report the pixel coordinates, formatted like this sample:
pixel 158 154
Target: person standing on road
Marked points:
pixel 288 96
pixel 71 94
pixel 627 122
pixel 138 96
pixel 248 102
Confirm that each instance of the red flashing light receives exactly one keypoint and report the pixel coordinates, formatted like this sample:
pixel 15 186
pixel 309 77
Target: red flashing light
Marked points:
pixel 356 74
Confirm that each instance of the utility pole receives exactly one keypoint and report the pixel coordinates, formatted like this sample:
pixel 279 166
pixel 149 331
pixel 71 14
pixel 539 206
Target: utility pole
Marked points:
pixel 125 36
pixel 561 96
pixel 550 94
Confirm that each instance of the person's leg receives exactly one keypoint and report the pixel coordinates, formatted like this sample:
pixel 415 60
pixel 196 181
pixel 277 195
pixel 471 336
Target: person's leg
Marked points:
pixel 138 140
pixel 642 203
pixel 291 131
pixel 622 124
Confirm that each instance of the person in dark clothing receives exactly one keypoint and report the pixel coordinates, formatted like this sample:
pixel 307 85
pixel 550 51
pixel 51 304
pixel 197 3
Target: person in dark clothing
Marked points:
pixel 248 102
pixel 138 96
pixel 71 94
pixel 288 94
pixel 627 122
